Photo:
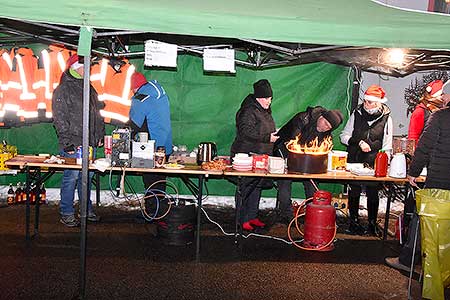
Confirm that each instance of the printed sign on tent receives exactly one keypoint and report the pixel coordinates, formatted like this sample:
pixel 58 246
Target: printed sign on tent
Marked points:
pixel 160 54
pixel 219 60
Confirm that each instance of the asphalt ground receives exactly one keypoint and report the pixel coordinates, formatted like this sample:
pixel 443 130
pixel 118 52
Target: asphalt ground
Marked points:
pixel 127 259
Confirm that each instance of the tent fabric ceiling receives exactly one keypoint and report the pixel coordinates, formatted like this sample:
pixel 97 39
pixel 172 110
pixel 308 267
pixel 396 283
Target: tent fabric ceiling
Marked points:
pixel 338 22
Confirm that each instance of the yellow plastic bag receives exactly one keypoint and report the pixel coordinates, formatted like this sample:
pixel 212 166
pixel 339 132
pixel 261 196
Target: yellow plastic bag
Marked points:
pixel 433 206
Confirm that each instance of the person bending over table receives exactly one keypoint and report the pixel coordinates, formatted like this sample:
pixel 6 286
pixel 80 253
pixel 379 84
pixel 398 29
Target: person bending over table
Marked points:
pixel 314 123
pixel 255 133
pixel 150 112
pixel 368 130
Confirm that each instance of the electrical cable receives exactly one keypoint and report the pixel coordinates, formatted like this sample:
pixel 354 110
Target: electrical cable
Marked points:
pixel 244 236
pixel 295 219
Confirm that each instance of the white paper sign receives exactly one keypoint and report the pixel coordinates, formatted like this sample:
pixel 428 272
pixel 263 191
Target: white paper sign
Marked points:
pixel 160 54
pixel 219 60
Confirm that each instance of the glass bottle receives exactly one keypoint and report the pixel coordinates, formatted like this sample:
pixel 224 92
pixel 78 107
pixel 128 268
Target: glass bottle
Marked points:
pixel 10 196
pixel 43 195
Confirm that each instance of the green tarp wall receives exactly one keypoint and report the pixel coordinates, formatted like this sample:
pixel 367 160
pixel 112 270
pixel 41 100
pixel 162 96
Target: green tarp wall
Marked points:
pixel 203 108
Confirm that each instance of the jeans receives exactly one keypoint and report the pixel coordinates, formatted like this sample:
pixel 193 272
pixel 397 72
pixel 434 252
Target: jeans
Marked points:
pixel 71 180
pixel 284 200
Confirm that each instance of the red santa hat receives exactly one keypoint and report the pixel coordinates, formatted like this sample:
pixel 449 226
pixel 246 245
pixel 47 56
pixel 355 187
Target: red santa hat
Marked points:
pixel 73 62
pixel 375 93
pixel 137 80
pixel 435 87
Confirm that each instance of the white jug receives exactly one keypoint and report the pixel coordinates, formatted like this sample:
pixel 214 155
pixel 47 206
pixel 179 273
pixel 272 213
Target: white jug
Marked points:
pixel 398 166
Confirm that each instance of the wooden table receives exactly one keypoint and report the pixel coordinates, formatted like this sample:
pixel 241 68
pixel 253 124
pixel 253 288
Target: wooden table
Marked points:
pixel 338 176
pixel 33 165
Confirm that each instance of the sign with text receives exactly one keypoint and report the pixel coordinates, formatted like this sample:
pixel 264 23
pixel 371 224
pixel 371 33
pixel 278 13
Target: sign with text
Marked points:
pixel 219 60
pixel 160 54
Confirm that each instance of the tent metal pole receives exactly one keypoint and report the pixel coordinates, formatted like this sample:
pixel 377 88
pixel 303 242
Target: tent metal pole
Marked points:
pixel 117 33
pixel 84 176
pixel 75 32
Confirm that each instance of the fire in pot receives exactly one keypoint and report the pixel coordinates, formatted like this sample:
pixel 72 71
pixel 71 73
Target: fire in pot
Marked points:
pixel 310 158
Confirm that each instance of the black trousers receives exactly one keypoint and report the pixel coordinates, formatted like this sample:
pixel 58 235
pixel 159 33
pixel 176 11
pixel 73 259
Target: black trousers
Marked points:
pixel 373 201
pixel 407 251
pixel 284 201
pixel 248 195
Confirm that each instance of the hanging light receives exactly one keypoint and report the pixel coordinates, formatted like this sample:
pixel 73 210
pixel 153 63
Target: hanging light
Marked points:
pixel 395 57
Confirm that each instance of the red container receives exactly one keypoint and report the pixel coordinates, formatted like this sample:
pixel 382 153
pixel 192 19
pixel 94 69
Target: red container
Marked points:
pixel 381 164
pixel 320 222
pixel 108 146
pixel 260 163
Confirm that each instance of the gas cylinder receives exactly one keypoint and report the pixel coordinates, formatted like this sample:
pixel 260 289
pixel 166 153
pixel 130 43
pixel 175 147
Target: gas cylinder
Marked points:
pixel 320 222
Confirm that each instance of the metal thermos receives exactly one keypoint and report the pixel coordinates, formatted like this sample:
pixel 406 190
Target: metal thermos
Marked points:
pixel 207 151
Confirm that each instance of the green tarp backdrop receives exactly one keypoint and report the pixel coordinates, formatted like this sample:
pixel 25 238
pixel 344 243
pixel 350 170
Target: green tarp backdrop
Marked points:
pixel 203 108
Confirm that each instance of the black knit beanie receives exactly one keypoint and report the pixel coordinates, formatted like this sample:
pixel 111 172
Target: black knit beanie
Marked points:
pixel 262 89
pixel 334 116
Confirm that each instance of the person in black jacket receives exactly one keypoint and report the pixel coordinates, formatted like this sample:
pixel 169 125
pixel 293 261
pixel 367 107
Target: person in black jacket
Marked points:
pixel 315 122
pixel 255 133
pixel 67 107
pixel 368 130
pixel 432 151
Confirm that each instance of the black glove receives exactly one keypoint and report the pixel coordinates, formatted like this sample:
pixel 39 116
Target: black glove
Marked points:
pixel 70 148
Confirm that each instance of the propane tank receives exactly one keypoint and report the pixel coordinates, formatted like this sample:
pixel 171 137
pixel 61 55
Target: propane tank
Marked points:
pixel 320 222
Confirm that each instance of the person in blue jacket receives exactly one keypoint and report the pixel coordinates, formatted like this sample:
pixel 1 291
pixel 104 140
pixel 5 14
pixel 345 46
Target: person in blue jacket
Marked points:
pixel 150 112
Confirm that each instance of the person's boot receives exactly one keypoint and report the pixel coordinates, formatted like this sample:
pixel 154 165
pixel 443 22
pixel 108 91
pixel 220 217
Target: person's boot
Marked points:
pixel 373 229
pixel 354 228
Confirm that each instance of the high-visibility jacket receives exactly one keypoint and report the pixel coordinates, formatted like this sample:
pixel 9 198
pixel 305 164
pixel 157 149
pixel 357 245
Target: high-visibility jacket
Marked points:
pixel 11 86
pixel 98 75
pixel 5 70
pixel 51 65
pixel 21 82
pixel 117 94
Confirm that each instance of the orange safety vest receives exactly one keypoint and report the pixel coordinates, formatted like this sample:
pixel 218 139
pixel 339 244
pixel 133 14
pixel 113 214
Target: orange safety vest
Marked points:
pixel 5 70
pixel 98 75
pixel 11 87
pixel 51 65
pixel 24 69
pixel 117 94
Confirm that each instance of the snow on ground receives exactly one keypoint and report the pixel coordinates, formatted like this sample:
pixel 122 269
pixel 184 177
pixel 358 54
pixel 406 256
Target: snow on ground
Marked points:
pixel 129 202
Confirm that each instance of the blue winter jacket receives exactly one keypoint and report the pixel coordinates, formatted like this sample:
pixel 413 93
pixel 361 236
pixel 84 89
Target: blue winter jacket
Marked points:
pixel 151 101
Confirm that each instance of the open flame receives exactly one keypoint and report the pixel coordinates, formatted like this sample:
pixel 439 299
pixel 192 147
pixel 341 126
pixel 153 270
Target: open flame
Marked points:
pixel 313 147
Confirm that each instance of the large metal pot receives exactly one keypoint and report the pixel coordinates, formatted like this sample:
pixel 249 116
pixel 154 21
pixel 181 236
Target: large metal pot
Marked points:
pixel 307 163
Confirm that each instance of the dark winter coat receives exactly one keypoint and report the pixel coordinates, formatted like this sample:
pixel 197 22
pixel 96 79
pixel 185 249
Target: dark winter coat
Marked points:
pixel 372 134
pixel 303 123
pixel 67 107
pixel 433 151
pixel 254 124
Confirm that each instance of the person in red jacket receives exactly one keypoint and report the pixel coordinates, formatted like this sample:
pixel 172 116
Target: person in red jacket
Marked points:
pixel 430 102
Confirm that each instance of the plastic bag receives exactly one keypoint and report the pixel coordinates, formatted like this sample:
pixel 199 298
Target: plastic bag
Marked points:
pixel 433 207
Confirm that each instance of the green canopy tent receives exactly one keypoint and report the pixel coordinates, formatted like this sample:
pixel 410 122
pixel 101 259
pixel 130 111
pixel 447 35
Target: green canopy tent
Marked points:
pixel 205 103
pixel 340 22
pixel 202 99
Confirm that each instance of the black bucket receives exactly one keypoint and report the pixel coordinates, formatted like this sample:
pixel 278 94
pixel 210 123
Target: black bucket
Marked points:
pixel 178 227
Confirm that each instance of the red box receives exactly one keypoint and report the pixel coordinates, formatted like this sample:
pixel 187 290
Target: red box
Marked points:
pixel 260 163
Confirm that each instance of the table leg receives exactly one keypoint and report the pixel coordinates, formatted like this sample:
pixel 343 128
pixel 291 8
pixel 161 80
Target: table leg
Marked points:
pixel 199 214
pixel 27 204
pixel 97 189
pixel 37 206
pixel 238 210
pixel 388 210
